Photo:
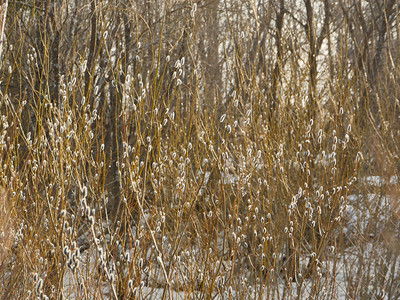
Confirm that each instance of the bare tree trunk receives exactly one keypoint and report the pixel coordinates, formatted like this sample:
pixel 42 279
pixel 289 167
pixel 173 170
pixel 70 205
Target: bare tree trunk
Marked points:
pixel 315 43
pixel 92 47
pixel 279 55
pixel 312 58
pixel 3 17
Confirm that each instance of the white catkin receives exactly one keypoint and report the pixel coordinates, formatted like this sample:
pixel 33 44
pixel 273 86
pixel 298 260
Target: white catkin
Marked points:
pixel 84 191
pixel 222 119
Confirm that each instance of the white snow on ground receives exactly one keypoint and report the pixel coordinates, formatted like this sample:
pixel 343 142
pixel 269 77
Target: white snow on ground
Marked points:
pixel 379 181
pixel 361 210
pixel 332 273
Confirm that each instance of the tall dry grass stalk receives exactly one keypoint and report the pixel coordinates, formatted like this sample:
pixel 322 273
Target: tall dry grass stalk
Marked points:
pixel 6 226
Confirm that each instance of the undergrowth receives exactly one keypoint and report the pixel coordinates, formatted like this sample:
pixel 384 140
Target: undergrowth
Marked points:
pixel 144 155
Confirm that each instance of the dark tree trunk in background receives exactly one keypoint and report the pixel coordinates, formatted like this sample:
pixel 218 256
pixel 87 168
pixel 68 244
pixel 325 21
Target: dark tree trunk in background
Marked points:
pixel 276 79
pixel 3 17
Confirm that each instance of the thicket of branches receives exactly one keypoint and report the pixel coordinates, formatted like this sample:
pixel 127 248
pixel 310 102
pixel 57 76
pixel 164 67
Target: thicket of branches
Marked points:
pixel 199 149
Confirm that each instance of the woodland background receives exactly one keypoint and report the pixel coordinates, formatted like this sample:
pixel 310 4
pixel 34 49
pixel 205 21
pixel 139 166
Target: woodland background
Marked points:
pixel 200 149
